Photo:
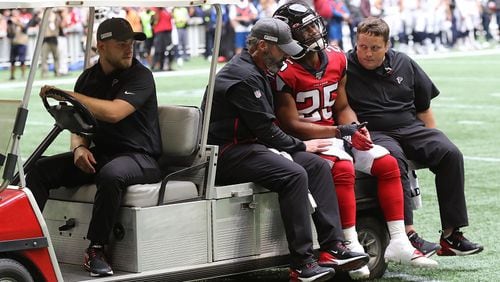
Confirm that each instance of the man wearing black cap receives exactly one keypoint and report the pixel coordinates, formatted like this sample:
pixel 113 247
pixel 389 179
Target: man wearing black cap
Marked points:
pixel 242 125
pixel 120 92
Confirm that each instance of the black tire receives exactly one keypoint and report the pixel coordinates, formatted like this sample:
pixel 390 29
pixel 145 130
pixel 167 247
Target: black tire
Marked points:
pixel 374 237
pixel 13 271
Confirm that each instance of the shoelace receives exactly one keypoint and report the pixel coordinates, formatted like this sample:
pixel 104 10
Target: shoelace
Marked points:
pixel 95 252
pixel 458 235
pixel 455 235
pixel 310 265
pixel 342 248
pixel 417 239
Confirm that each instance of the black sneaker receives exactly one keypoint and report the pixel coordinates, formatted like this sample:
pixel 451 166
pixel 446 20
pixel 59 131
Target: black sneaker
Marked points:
pixel 95 262
pixel 311 272
pixel 341 258
pixel 457 245
pixel 425 247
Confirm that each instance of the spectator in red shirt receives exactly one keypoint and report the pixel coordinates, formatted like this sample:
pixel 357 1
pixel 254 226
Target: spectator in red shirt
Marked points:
pixel 162 42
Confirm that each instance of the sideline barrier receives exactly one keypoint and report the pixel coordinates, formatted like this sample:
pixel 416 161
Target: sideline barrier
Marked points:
pixel 74 45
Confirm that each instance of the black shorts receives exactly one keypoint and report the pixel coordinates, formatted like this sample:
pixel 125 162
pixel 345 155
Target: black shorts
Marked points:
pixel 18 53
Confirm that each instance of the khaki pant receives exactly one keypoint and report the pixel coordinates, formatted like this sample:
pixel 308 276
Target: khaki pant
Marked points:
pixel 46 49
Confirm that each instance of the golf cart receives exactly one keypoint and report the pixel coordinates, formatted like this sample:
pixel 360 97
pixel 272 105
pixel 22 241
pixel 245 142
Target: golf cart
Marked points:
pixel 182 228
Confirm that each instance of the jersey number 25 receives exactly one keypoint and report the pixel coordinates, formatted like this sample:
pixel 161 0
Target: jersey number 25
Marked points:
pixel 320 103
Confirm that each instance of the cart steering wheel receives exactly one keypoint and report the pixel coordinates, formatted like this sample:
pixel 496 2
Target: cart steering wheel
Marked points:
pixel 69 114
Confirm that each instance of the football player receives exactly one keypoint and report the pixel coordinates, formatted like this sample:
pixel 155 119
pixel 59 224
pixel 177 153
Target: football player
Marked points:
pixel 312 103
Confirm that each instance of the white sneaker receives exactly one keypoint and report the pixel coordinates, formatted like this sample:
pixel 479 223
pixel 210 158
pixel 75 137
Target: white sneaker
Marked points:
pixel 180 62
pixel 360 273
pixel 401 251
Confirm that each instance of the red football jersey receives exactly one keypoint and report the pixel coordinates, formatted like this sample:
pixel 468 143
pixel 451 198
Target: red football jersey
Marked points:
pixel 314 91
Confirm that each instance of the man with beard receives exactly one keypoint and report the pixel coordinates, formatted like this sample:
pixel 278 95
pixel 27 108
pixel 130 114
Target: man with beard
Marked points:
pixel 243 125
pixel 120 92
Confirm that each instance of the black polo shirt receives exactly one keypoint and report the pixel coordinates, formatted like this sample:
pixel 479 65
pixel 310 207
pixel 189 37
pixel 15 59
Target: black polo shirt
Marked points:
pixel 390 96
pixel 138 132
pixel 243 108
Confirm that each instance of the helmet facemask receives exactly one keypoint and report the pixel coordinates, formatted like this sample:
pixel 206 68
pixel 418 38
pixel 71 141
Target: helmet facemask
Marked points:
pixel 311 34
pixel 306 25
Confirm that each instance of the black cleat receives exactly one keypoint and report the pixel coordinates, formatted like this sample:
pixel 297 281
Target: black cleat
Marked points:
pixel 95 262
pixel 457 245
pixel 311 272
pixel 425 247
pixel 341 258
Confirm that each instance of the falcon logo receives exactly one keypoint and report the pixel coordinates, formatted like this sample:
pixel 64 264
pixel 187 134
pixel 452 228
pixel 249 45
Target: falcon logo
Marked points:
pixel 115 81
pixel 399 79
pixel 319 75
pixel 257 94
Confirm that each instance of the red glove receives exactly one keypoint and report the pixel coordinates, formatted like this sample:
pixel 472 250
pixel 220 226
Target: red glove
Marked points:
pixel 357 135
pixel 365 132
pixel 361 142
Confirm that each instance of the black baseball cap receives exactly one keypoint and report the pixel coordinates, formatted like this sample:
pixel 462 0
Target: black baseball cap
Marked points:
pixel 118 29
pixel 276 31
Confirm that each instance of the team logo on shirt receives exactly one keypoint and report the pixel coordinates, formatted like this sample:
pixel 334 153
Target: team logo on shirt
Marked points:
pixel 319 75
pixel 399 79
pixel 257 93
pixel 115 81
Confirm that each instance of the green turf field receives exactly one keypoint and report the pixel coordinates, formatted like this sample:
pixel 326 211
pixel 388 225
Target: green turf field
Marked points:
pixel 466 110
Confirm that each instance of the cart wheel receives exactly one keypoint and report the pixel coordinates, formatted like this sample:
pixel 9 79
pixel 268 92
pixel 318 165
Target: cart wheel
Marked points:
pixel 374 237
pixel 12 271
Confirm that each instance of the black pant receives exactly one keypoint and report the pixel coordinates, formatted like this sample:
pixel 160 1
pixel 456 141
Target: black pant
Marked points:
pixel 431 148
pixel 291 180
pixel 161 41
pixel 113 175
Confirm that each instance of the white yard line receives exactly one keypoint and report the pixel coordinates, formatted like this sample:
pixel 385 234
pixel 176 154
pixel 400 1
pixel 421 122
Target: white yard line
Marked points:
pixel 452 54
pixel 406 277
pixel 465 78
pixel 468 107
pixel 470 122
pixel 483 159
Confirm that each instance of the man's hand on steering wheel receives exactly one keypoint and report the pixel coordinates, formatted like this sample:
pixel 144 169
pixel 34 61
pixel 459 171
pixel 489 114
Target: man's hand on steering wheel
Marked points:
pixel 68 112
pixel 45 92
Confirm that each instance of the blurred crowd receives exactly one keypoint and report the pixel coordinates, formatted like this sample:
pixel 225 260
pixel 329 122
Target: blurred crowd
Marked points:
pixel 417 26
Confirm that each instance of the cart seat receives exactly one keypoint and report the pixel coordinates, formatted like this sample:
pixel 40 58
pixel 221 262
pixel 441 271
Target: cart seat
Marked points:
pixel 180 128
